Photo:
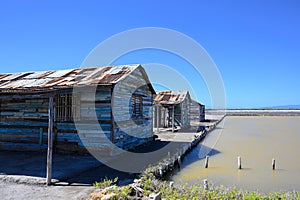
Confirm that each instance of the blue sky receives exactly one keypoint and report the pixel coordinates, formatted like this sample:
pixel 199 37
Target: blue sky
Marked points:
pixel 255 44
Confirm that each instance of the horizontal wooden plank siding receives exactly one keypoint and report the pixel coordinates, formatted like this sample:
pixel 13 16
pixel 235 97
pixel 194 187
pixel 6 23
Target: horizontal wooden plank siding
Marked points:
pixel 131 131
pixel 23 124
pixel 24 121
pixel 197 111
pixel 94 126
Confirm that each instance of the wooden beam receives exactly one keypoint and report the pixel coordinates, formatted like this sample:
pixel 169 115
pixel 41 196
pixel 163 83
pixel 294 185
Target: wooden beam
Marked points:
pixel 50 141
pixel 112 125
pixel 44 93
pixel 24 96
pixel 181 115
pixel 173 119
pixel 157 117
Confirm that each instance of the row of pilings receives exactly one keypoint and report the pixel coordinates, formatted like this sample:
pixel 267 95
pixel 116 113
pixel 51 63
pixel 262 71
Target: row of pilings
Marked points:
pixel 161 169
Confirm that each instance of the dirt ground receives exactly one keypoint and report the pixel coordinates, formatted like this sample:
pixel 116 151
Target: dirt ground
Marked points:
pixel 22 177
pixel 10 191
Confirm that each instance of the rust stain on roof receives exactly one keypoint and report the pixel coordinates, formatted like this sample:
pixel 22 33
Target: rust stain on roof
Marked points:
pixel 65 78
pixel 170 97
pixel 3 75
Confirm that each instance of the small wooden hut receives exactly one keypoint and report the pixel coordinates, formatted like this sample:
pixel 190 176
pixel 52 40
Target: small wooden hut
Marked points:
pixel 197 111
pixel 172 109
pixel 75 104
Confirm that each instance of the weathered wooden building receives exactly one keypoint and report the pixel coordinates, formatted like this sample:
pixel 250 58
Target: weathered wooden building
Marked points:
pixel 179 106
pixel 92 108
pixel 172 109
pixel 197 111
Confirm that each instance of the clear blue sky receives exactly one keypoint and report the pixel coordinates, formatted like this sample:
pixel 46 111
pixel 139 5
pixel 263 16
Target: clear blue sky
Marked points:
pixel 255 44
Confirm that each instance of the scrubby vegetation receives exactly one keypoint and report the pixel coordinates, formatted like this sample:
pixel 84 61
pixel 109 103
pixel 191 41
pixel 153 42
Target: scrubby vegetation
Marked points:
pixel 105 183
pixel 148 184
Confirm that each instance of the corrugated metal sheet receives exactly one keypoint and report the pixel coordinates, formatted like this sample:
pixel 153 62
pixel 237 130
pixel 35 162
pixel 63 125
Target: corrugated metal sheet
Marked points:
pixel 36 75
pixel 116 70
pixel 37 82
pixel 170 97
pixel 15 76
pixel 60 73
pixel 65 78
pixel 15 84
pixel 3 75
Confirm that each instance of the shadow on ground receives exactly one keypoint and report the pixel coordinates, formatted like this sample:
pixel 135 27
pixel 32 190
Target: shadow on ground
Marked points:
pixel 86 169
pixel 79 169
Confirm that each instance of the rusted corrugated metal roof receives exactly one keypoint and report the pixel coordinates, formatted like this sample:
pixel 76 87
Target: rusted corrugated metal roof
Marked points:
pixel 3 75
pixel 170 97
pixel 65 78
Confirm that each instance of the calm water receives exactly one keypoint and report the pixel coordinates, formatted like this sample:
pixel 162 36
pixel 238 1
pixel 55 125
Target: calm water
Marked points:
pixel 257 140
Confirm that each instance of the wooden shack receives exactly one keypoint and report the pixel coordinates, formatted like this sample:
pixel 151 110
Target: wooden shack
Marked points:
pixel 197 111
pixel 172 109
pixel 107 95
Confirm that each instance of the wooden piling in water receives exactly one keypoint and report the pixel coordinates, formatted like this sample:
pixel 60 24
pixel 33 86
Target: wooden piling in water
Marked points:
pixel 239 162
pixel 206 161
pixel 273 163
pixel 179 161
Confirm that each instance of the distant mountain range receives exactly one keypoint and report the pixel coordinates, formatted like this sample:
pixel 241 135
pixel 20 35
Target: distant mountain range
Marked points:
pixel 285 107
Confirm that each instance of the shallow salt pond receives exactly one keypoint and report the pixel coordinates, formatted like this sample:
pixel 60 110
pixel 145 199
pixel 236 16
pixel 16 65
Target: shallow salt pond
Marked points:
pixel 257 140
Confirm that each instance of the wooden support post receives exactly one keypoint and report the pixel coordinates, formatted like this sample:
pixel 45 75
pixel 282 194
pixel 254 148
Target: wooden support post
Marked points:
pixel 164 117
pixel 157 118
pixel 239 162
pixel 173 121
pixel 50 141
pixel 179 161
pixel 273 163
pixel 206 161
pixel 112 122
pixel 112 125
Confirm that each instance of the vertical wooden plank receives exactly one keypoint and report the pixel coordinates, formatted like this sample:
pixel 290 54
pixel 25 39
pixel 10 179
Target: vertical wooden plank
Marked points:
pixel 157 117
pixel 41 136
pixel 50 142
pixel 173 119
pixel 112 127
pixel 166 117
pixel 181 114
